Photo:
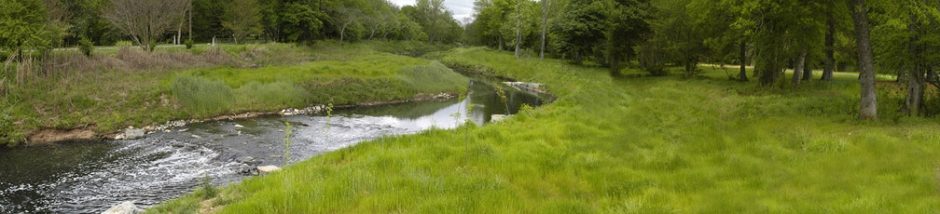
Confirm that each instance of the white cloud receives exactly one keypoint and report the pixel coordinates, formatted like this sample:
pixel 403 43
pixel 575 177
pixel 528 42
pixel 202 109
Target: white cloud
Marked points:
pixel 462 9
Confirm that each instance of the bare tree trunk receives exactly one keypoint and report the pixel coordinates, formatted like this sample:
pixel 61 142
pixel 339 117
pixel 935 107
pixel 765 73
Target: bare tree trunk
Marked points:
pixel 544 28
pixel 830 46
pixel 798 69
pixel 869 102
pixel 743 73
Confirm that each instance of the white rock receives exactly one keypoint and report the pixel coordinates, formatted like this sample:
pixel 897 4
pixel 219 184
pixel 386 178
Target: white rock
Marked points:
pixel 127 207
pixel 131 133
pixel 239 126
pixel 268 169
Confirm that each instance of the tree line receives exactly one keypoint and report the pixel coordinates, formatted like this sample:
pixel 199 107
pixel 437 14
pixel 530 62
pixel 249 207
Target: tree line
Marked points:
pixel 39 25
pixel 864 36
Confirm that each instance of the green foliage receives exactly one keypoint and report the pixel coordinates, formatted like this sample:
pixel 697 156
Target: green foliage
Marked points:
pixel 86 46
pixel 23 26
pixel 243 18
pixel 580 30
pixel 202 96
pixel 188 43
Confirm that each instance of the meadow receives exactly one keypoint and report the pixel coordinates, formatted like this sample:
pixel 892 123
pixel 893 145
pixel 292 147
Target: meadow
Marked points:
pixel 121 87
pixel 623 145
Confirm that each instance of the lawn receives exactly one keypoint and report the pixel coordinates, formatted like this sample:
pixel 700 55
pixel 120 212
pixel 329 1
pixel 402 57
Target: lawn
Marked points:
pixel 266 77
pixel 631 145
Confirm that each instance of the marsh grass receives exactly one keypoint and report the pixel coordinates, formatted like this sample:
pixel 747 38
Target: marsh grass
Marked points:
pixel 635 145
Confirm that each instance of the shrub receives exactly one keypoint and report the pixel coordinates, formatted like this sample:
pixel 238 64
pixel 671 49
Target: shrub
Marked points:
pixel 189 44
pixel 86 46
pixel 201 96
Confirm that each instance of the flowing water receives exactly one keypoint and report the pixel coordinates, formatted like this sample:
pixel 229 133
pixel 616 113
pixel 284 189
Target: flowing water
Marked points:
pixel 89 177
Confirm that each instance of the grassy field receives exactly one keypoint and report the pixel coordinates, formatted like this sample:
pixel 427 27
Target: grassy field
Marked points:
pixel 246 78
pixel 633 145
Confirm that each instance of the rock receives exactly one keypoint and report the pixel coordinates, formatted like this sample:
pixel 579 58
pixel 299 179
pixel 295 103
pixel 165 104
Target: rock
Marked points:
pixel 268 169
pixel 498 117
pixel 131 133
pixel 127 207
pixel 239 126
pixel 247 170
pixel 248 160
pixel 527 86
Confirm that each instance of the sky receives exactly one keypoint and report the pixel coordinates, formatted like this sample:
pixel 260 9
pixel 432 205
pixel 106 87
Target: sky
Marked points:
pixel 462 9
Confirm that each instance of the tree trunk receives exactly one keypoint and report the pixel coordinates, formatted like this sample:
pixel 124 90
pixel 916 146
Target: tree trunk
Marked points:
pixel 868 109
pixel 807 71
pixel 342 33
pixel 914 103
pixel 518 40
pixel 798 69
pixel 500 38
pixel 743 74
pixel 544 28
pixel 190 20
pixel 830 46
pixel 179 33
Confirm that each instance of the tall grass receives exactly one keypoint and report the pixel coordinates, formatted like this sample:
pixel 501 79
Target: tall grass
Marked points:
pixel 640 145
pixel 203 97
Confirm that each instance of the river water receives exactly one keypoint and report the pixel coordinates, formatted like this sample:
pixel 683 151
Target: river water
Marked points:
pixel 89 177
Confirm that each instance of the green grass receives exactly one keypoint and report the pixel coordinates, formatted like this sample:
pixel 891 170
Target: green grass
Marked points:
pixel 111 100
pixel 637 145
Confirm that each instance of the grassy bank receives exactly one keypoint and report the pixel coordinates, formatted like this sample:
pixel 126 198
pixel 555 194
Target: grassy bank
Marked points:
pixel 637 145
pixel 138 88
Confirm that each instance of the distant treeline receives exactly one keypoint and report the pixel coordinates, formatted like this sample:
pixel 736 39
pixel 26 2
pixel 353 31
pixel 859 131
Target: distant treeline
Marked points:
pixel 45 24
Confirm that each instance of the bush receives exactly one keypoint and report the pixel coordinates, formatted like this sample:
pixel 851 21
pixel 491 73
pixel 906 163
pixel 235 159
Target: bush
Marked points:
pixel 189 44
pixel 86 46
pixel 203 97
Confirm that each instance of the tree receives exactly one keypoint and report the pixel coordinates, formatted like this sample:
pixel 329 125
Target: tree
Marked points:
pixel 544 29
pixel 626 27
pixel 25 28
pixel 243 18
pixel 145 20
pixel 345 17
pixel 301 22
pixel 580 29
pixel 869 104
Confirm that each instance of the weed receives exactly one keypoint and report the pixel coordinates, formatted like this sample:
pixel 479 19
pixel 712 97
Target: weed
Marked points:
pixel 209 190
pixel 288 134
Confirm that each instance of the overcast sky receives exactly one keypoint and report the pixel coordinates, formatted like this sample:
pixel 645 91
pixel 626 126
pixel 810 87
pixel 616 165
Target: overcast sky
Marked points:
pixel 461 8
